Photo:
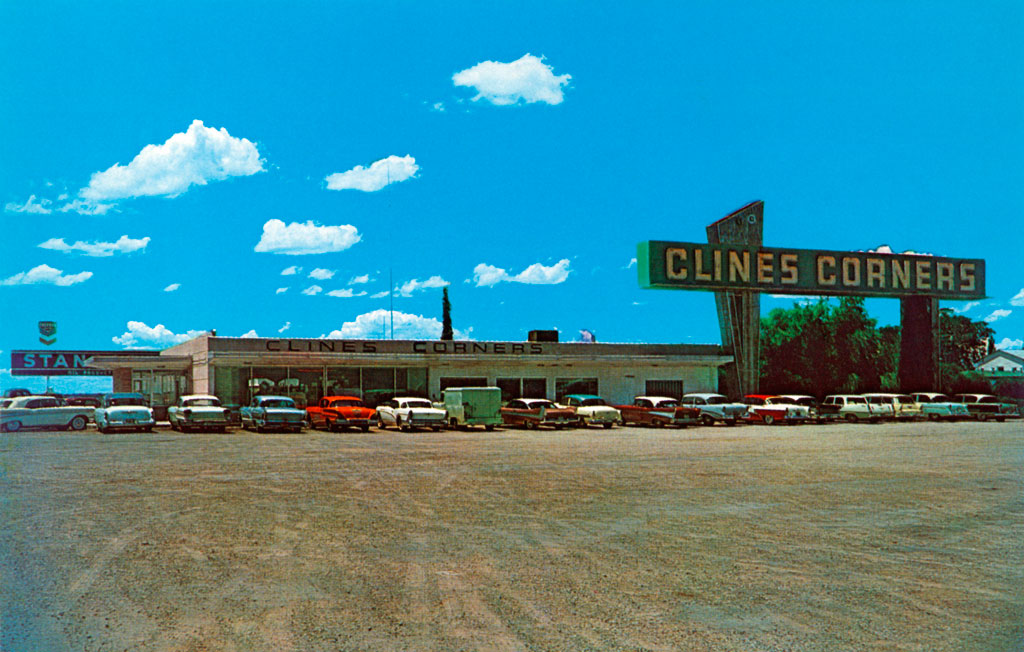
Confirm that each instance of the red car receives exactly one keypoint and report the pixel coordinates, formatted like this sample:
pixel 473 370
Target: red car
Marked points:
pixel 769 409
pixel 535 412
pixel 658 411
pixel 340 413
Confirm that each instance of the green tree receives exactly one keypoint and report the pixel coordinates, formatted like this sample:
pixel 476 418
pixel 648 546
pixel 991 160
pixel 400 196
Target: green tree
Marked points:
pixel 446 317
pixel 962 343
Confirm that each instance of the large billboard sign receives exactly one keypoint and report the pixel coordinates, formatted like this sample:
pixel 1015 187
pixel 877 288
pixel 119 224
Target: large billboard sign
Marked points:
pixel 696 266
pixel 63 363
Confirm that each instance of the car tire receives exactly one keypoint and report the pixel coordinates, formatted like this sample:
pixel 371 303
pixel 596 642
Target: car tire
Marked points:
pixel 328 426
pixel 731 422
pixel 851 417
pixel 609 425
pixel 530 424
pixel 102 430
pixel 769 419
pixel 365 428
pixel 12 426
pixel 932 416
pixel 398 424
pixel 380 423
pixel 489 428
pixel 707 420
pixel 78 423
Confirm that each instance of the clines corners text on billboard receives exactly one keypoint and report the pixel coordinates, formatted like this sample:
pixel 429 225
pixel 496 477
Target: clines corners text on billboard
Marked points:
pixel 697 266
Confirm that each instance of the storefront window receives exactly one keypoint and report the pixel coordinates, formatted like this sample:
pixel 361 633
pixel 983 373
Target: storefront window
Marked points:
pixel 305 385
pixel 535 388
pixel 511 388
pixel 669 388
pixel 162 388
pixel 416 383
pixel 565 386
pixel 267 380
pixel 378 385
pixel 343 381
pixel 229 384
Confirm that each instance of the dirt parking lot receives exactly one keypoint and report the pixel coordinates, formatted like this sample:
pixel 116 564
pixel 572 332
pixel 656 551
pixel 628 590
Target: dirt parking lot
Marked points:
pixel 838 537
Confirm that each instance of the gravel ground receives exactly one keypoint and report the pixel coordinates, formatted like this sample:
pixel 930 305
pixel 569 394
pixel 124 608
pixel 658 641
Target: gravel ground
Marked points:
pixel 838 537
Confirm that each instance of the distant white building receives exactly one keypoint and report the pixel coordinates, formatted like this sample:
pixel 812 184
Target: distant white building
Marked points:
pixel 1002 364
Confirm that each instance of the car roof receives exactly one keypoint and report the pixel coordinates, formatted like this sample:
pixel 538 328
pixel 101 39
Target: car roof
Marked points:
pixel 342 398
pixel 703 394
pixel 763 396
pixel 410 398
pixel 185 396
pixel 656 398
pixel 582 396
pixel 273 396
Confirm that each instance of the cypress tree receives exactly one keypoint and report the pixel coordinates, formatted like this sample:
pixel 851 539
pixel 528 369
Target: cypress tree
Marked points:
pixel 446 317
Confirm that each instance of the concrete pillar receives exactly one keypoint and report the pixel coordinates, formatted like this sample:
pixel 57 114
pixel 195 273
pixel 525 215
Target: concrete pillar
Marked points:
pixel 122 380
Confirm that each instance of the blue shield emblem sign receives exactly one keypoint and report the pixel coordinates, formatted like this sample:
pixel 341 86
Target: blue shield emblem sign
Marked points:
pixel 47 332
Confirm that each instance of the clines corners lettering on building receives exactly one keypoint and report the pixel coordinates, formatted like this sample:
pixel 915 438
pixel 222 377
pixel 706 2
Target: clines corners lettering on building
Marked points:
pixel 696 266
pixel 399 346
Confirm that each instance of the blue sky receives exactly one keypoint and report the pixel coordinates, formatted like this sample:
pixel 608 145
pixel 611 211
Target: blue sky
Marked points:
pixel 174 159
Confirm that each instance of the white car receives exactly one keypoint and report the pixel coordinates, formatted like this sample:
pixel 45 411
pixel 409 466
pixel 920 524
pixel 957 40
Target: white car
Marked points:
pixel 199 412
pixel 904 407
pixel 407 412
pixel 128 411
pixel 592 410
pixel 43 412
pixel 854 407
pixel 715 407
pixel 936 406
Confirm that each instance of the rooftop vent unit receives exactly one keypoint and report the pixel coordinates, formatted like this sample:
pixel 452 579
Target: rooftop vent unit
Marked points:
pixel 542 336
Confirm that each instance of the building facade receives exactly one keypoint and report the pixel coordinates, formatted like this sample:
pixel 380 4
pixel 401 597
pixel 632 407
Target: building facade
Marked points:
pixel 235 369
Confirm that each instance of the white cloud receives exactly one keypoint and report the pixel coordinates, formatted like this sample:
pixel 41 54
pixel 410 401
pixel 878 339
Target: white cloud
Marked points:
pixel 141 336
pixel 197 156
pixel 313 290
pixel 124 245
pixel 997 314
pixel 288 271
pixel 356 280
pixel 298 239
pixel 379 295
pixel 172 287
pixel 321 274
pixel 970 305
pixel 886 249
pixel 372 325
pixel 1006 344
pixel 346 293
pixel 83 207
pixel 281 290
pixel 41 207
pixel 414 285
pixel 46 274
pixel 528 79
pixel 1018 299
pixel 485 275
pixel 380 173
pixel 286 326
pixel 250 335
pixel 632 263
pixel 439 107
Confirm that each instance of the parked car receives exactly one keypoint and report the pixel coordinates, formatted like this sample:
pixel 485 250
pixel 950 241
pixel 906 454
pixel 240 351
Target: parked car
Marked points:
pixel 854 407
pixel 15 392
pixel 43 412
pixel 407 412
pixel 904 407
pixel 198 412
pixel 985 406
pixel 270 412
pixel 472 406
pixel 340 413
pixel 715 407
pixel 532 413
pixel 814 412
pixel 769 409
pixel 592 410
pixel 658 411
pixel 936 406
pixel 124 411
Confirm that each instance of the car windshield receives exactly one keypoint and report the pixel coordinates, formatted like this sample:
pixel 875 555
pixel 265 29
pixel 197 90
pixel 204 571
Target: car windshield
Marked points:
pixel 672 403
pixel 418 404
pixel 717 400
pixel 278 403
pixel 753 400
pixel 537 404
pixel 202 402
pixel 988 399
pixel 347 403
pixel 593 401
pixel 807 400
pixel 127 400
pixel 6 402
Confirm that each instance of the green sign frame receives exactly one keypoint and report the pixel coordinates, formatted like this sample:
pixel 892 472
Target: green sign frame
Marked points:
pixel 722 267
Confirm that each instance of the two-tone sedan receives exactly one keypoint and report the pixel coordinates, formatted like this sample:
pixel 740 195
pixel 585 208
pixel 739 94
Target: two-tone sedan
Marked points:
pixel 936 406
pixel 658 411
pixel 592 410
pixel 533 413
pixel 124 411
pixel 41 412
pixel 340 413
pixel 408 412
pixel 715 408
pixel 269 412
pixel 985 406
pixel 769 409
pixel 199 412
